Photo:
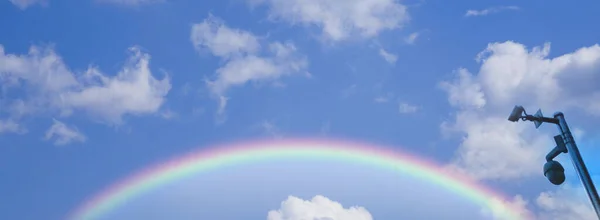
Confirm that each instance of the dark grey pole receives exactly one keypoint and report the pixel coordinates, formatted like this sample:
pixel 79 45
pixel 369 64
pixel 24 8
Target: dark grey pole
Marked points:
pixel 577 160
pixel 565 143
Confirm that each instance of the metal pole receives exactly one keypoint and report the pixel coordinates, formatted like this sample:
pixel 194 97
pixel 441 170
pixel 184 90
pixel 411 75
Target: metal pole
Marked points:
pixel 577 160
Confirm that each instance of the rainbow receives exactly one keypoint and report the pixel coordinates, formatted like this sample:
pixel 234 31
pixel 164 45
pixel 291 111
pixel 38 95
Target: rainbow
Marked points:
pixel 214 158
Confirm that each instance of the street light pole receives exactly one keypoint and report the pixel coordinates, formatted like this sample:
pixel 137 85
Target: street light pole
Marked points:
pixel 565 143
pixel 578 163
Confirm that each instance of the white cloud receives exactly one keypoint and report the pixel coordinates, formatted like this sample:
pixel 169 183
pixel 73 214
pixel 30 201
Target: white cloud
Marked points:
pixel 44 84
pixel 132 91
pixel 465 91
pixel 381 99
pixel 510 74
pixel 319 208
pixel 212 34
pixel 168 114
pixel 567 81
pixel 406 108
pixel 491 10
pixel 24 4
pixel 517 206
pixel 340 19
pixel 9 126
pixel 566 203
pixel 388 57
pixel 63 134
pixel 412 38
pixel 244 61
pixel 256 68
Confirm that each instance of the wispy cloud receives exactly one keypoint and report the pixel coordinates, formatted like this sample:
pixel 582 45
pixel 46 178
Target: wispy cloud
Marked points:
pixel 51 87
pixel 24 4
pixel 491 10
pixel 412 38
pixel 385 98
pixel 381 99
pixel 240 49
pixel 406 108
pixel 387 56
pixel 340 19
pixel 269 128
pixel 63 134
pixel 168 114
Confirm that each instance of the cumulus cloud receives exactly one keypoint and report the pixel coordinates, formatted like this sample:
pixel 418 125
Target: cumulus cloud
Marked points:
pixel 63 134
pixel 494 148
pixel 340 19
pixel 24 4
pixel 132 91
pixel 40 83
pixel 246 59
pixel 318 208
pixel 566 203
pixel 491 10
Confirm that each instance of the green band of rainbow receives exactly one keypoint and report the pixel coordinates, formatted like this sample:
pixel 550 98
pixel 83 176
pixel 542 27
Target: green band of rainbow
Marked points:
pixel 214 158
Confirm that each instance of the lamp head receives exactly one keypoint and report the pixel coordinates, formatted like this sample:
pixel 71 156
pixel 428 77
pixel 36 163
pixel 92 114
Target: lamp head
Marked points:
pixel 516 113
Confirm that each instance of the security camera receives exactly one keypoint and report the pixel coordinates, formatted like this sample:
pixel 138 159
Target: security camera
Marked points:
pixel 555 172
pixel 516 113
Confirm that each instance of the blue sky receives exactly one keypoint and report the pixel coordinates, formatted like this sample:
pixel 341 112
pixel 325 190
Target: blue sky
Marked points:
pixel 93 90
